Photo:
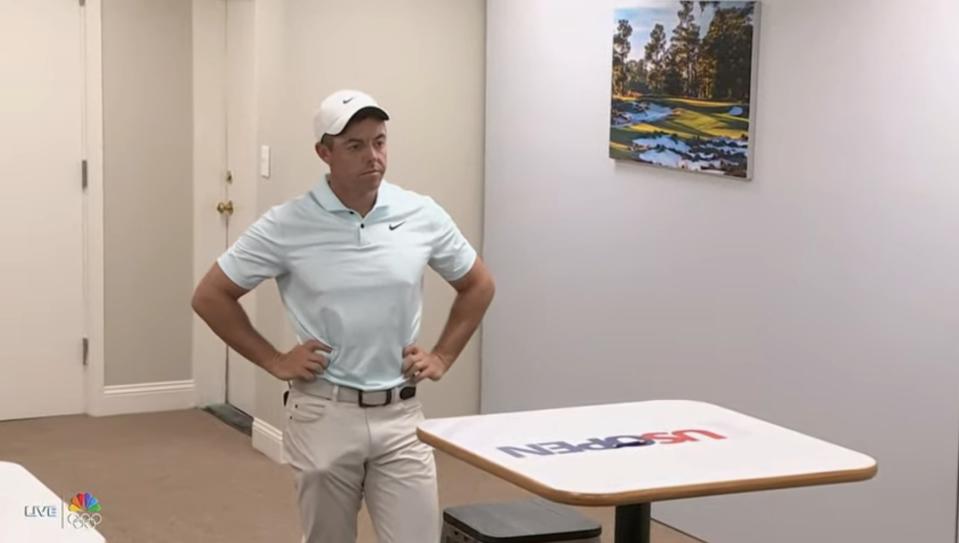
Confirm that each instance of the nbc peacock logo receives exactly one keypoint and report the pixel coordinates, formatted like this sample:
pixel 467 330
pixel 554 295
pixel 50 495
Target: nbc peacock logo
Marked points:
pixel 84 511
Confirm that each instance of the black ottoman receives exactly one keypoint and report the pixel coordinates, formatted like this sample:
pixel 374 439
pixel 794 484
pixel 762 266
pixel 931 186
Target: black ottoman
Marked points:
pixel 528 521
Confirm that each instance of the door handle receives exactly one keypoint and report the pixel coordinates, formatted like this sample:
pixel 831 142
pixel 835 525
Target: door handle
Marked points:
pixel 225 208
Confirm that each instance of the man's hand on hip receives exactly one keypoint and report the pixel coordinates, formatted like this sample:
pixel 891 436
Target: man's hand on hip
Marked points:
pixel 302 362
pixel 419 364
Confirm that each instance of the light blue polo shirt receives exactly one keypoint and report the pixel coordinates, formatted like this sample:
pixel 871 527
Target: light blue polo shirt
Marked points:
pixel 355 283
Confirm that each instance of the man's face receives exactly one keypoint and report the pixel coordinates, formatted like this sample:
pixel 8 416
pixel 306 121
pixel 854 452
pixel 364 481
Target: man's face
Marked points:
pixel 357 157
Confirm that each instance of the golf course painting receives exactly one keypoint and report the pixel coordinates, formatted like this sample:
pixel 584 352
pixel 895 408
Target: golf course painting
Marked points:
pixel 682 85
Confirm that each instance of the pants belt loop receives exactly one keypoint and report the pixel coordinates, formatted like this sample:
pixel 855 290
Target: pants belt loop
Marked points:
pixel 336 392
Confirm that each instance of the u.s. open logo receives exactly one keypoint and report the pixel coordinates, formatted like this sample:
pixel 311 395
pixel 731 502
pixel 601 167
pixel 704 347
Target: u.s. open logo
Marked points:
pixel 550 448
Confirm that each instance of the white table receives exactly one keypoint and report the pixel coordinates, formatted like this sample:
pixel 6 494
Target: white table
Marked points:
pixel 631 454
pixel 29 511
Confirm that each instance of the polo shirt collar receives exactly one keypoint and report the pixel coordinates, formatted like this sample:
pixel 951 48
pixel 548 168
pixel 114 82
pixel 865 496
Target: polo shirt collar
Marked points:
pixel 325 196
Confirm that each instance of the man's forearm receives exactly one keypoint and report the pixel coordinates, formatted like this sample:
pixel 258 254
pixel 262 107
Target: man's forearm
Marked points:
pixel 465 316
pixel 228 320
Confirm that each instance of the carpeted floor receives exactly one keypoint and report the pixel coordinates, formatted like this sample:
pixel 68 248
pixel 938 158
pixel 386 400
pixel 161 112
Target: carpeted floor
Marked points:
pixel 185 477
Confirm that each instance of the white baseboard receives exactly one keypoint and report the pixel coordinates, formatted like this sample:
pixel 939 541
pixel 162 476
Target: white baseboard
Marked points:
pixel 268 439
pixel 145 398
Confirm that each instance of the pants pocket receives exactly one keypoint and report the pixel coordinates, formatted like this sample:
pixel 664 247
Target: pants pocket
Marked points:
pixel 305 407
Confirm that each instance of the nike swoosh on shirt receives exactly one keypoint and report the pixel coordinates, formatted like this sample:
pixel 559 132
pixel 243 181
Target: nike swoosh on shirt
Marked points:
pixel 395 226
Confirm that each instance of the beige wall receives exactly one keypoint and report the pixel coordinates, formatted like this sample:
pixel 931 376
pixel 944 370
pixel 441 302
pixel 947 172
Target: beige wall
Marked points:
pixel 148 187
pixel 424 61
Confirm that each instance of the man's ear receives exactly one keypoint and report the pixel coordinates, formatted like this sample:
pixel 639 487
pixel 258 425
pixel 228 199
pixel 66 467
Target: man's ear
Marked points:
pixel 323 151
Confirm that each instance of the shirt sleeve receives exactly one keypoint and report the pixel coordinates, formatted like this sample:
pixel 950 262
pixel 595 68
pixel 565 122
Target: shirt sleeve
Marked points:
pixel 255 256
pixel 452 256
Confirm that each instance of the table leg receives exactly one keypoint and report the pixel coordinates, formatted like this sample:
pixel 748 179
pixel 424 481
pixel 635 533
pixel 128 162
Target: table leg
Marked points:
pixel 632 523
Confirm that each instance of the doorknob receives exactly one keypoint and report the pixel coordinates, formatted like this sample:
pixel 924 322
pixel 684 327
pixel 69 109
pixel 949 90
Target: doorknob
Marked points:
pixel 225 208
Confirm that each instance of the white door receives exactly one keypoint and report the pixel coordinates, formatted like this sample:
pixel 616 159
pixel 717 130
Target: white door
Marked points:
pixel 41 222
pixel 241 156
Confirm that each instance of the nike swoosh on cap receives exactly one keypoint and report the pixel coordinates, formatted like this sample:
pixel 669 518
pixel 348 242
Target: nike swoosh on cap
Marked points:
pixel 348 100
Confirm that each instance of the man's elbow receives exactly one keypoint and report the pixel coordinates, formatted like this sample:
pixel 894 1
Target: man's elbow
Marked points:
pixel 477 284
pixel 197 302
pixel 203 300
pixel 487 288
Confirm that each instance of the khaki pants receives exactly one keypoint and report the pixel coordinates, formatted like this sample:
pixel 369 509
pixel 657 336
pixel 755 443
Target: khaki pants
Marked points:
pixel 342 453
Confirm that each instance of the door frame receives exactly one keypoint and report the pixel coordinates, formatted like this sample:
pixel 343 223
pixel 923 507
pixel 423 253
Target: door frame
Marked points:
pixel 239 99
pixel 209 163
pixel 209 159
pixel 92 122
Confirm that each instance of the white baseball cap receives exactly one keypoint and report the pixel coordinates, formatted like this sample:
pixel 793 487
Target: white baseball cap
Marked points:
pixel 338 108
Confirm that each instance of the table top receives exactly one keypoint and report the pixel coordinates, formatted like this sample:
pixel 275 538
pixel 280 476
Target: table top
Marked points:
pixel 640 452
pixel 29 511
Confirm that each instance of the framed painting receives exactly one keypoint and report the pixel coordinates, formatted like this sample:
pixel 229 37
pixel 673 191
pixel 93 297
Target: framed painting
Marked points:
pixel 683 83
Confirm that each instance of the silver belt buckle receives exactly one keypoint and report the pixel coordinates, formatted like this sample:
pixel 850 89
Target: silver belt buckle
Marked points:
pixel 389 398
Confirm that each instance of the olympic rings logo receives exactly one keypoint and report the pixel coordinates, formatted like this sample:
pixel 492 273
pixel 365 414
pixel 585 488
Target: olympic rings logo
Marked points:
pixel 84 520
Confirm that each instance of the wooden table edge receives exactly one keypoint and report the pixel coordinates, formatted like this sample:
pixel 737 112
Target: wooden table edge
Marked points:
pixel 648 496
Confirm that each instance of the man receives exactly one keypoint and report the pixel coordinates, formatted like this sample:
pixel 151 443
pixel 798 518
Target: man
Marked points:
pixel 349 258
